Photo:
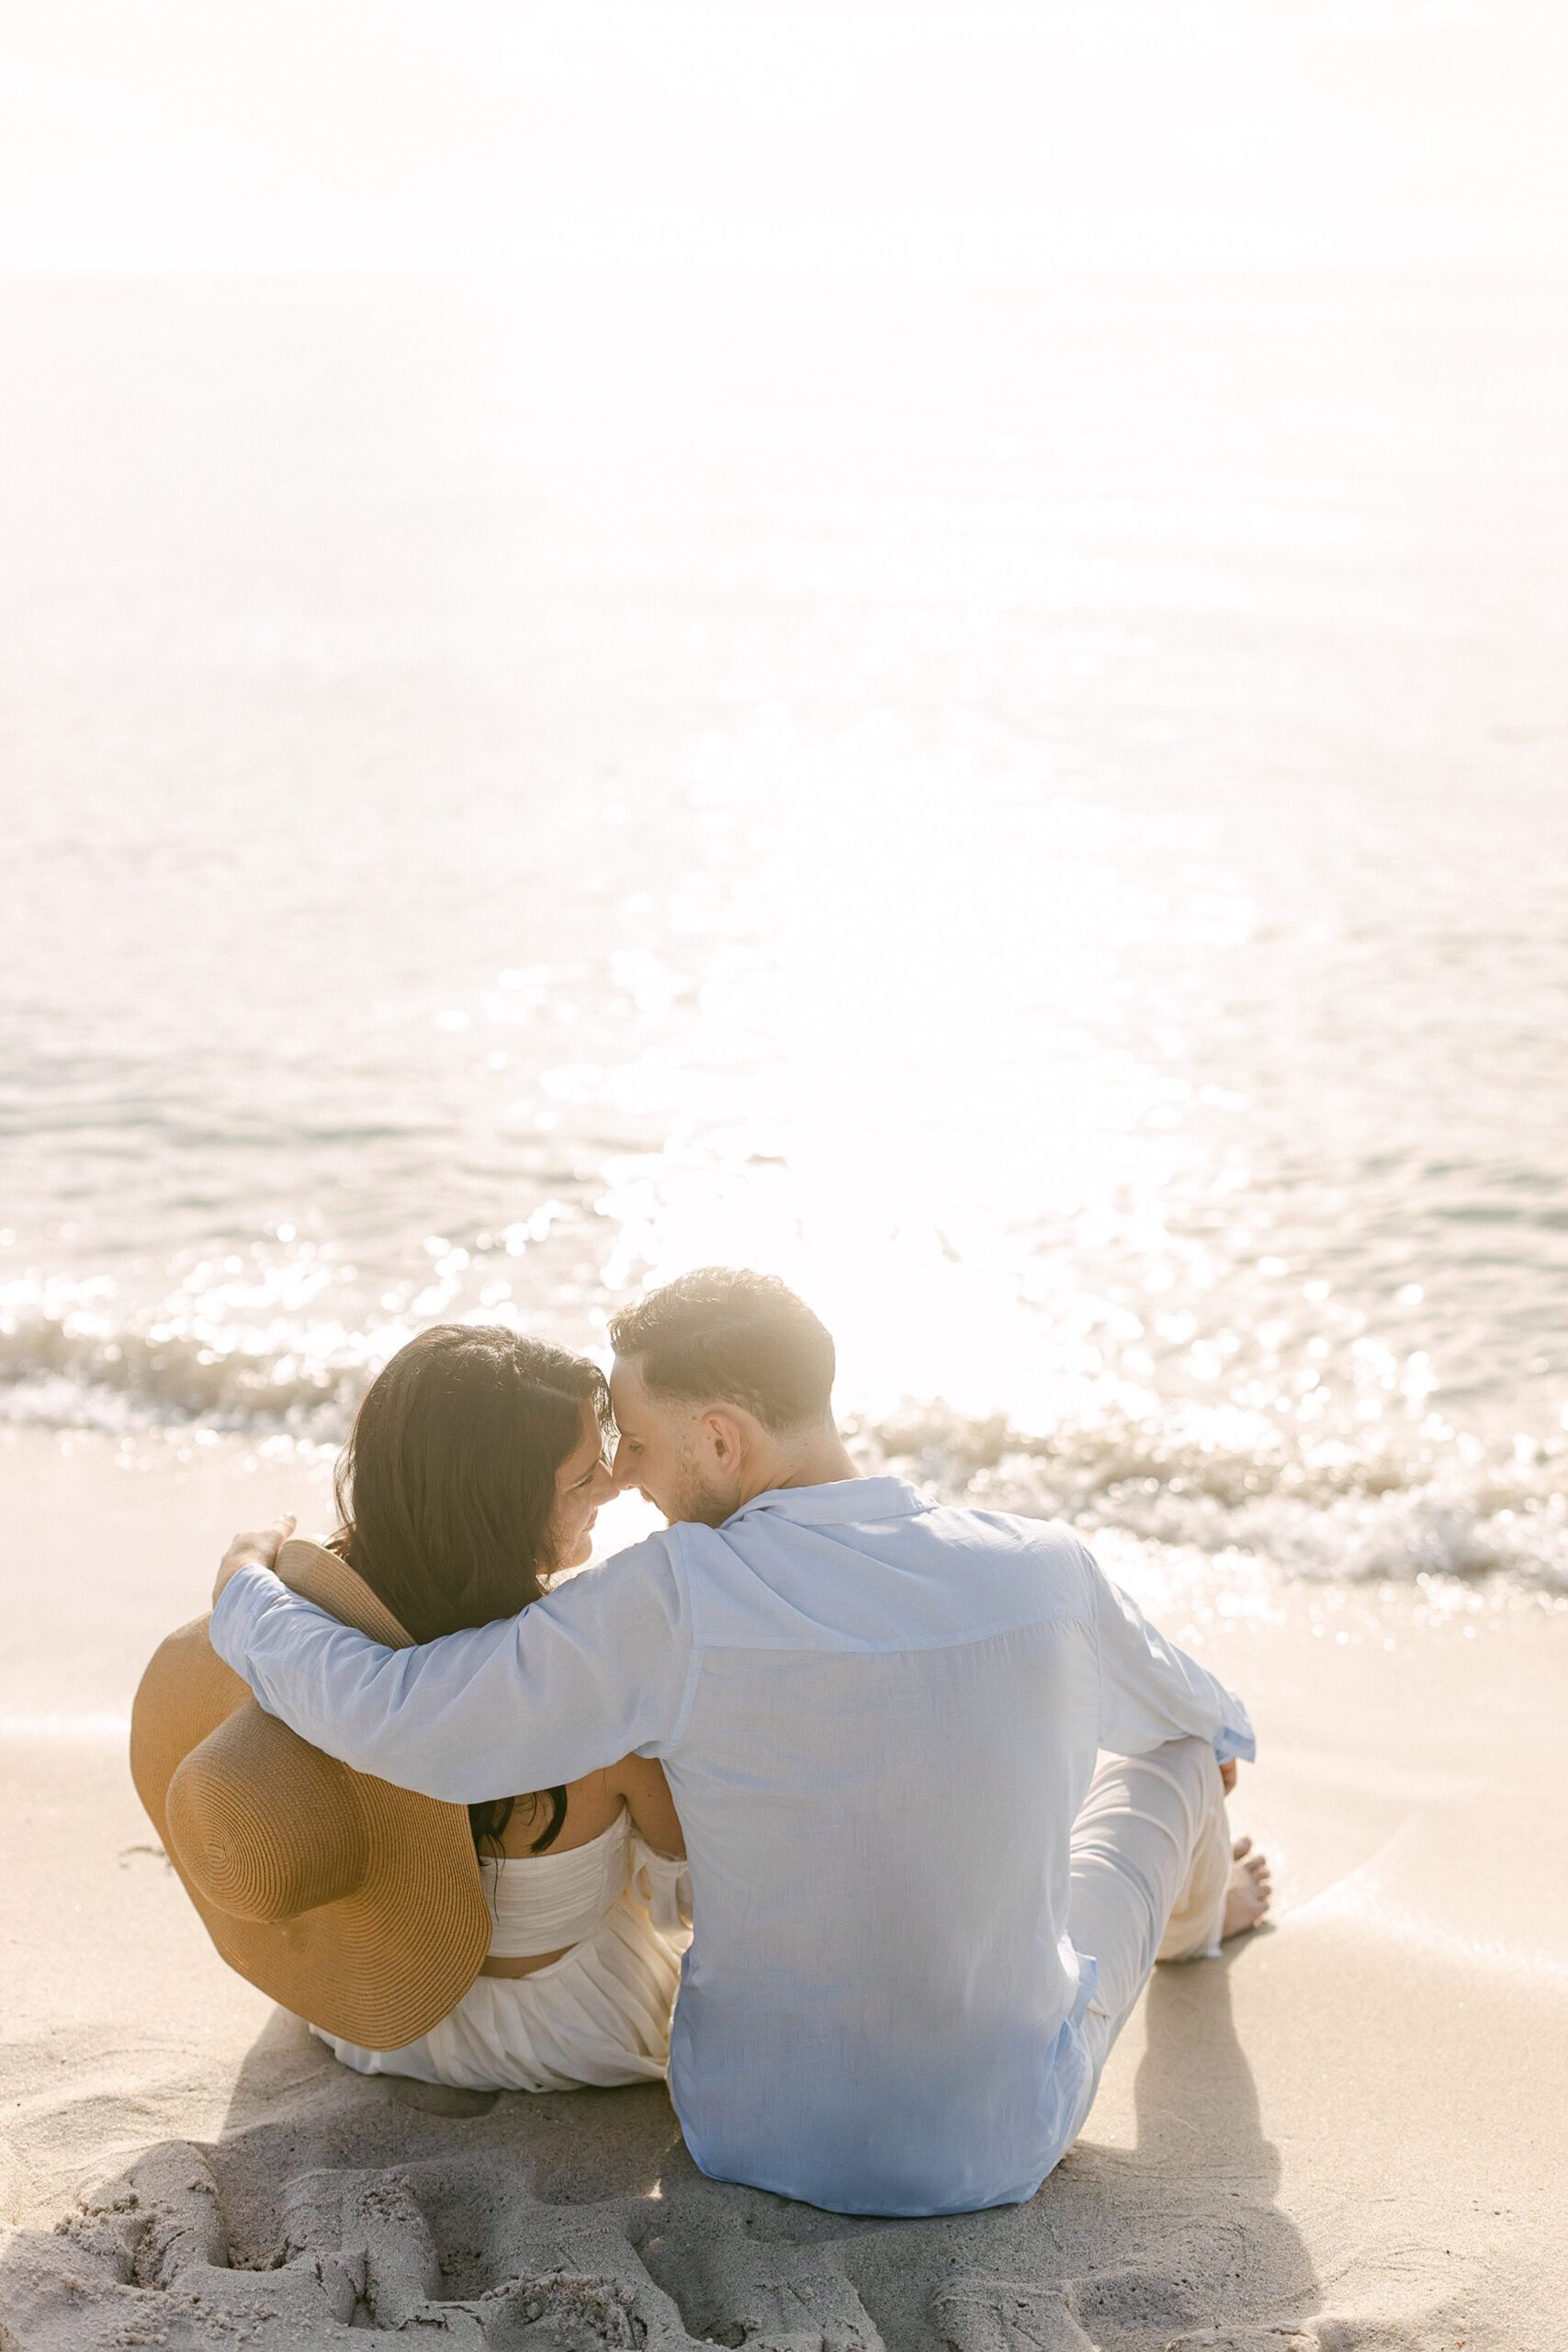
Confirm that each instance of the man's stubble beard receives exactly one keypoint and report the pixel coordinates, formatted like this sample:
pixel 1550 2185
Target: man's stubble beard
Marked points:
pixel 695 1500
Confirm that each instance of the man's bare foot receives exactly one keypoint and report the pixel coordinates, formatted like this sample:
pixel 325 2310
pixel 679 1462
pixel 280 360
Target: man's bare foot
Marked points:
pixel 1247 1896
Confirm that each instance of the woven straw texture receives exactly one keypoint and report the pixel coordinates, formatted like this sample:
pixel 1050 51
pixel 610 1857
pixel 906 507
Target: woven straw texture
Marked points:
pixel 355 1905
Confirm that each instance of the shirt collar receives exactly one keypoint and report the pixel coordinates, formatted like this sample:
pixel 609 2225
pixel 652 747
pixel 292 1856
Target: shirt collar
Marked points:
pixel 844 1500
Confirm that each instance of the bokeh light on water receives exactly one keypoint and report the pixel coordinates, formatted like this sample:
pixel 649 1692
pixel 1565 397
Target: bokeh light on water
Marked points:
pixel 1025 797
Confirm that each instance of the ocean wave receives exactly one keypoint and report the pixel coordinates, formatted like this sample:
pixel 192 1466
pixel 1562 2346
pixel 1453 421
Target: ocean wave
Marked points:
pixel 1332 1510
pixel 1335 1507
pixel 57 1378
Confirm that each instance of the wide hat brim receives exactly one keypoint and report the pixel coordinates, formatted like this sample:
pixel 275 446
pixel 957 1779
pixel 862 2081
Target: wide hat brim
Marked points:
pixel 381 1962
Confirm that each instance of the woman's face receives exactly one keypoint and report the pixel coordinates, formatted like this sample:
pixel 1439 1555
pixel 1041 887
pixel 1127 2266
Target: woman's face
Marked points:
pixel 583 1483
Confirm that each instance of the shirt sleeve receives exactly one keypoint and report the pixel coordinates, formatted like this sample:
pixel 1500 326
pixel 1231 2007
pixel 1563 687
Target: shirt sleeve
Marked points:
pixel 663 1882
pixel 1151 1691
pixel 595 1672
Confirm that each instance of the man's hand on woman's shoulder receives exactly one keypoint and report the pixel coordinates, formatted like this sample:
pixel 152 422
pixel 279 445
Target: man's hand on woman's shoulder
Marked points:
pixel 258 1548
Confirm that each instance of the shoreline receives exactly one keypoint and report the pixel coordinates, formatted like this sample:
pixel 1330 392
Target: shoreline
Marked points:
pixel 1314 2141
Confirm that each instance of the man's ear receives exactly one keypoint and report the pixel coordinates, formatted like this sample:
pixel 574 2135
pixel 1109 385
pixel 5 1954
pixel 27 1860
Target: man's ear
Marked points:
pixel 725 1439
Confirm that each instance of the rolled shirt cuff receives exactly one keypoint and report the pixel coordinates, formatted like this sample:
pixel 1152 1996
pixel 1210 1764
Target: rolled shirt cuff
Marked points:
pixel 1236 1740
pixel 234 1614
pixel 663 1882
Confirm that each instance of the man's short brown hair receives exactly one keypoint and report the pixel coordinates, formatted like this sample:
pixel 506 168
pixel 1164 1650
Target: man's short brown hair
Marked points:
pixel 722 1336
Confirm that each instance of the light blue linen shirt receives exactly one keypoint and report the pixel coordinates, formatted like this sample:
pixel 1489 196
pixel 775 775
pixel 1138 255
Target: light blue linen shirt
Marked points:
pixel 878 1718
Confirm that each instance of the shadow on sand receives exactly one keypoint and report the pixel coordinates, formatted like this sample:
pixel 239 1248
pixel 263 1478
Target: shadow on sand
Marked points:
pixel 330 2205
pixel 1177 2243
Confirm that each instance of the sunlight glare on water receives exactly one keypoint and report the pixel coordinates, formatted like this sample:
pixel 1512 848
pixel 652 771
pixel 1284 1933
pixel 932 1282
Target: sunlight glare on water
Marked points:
pixel 990 743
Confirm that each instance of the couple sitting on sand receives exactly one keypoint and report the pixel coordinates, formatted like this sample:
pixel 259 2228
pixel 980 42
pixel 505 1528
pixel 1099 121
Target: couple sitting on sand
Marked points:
pixel 849 1736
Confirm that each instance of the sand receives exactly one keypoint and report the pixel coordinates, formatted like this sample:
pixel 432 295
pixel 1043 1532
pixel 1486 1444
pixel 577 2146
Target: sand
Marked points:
pixel 1347 2132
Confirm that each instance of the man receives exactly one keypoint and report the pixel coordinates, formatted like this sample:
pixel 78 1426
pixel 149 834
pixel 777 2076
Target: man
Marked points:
pixel 914 1941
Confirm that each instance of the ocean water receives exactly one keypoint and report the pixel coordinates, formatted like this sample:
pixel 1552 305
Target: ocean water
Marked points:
pixel 1036 812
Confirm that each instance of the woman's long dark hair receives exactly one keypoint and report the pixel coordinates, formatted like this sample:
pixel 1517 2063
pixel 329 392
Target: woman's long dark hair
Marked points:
pixel 447 1489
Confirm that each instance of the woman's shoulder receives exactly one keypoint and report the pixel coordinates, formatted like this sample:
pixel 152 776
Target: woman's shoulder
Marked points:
pixel 592 1805
pixel 634 1790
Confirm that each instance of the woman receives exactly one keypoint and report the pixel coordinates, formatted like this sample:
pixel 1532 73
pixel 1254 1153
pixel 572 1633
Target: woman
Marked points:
pixel 473 1474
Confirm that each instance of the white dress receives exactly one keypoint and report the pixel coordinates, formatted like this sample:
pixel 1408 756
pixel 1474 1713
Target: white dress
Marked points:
pixel 600 2014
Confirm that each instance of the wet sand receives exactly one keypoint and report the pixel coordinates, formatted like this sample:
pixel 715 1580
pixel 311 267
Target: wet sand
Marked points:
pixel 1347 2132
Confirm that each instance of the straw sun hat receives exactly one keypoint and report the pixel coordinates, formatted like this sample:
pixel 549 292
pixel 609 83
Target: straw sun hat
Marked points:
pixel 355 1905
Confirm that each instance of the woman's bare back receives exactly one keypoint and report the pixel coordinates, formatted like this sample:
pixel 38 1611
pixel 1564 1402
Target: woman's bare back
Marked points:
pixel 592 1805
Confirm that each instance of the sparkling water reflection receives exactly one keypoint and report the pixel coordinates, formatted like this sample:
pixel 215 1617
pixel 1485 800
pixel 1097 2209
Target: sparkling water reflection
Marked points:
pixel 1085 904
